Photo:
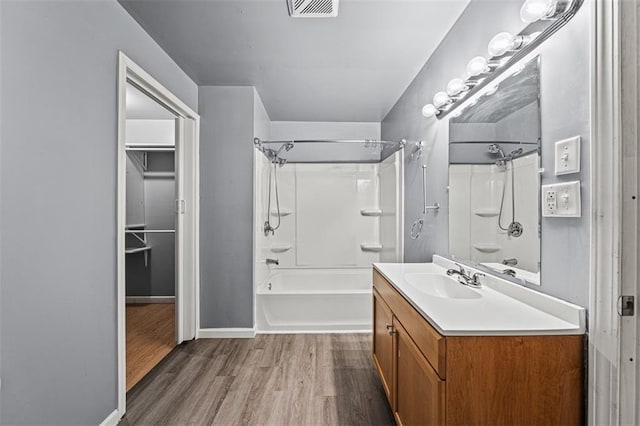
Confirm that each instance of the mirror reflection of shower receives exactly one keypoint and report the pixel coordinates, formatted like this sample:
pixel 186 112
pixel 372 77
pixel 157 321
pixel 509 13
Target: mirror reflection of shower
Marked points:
pixel 514 228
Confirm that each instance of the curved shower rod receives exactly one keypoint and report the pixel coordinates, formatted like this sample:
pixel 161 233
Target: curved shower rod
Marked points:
pixel 402 142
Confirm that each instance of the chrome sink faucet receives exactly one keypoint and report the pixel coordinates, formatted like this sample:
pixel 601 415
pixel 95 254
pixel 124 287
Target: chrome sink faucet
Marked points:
pixel 464 278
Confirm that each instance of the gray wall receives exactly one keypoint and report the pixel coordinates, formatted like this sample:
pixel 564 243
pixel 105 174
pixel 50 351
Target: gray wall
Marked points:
pixel 226 206
pixel 565 102
pixel 58 187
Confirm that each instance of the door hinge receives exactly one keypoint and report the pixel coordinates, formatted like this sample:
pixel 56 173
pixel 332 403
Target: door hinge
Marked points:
pixel 626 306
pixel 180 206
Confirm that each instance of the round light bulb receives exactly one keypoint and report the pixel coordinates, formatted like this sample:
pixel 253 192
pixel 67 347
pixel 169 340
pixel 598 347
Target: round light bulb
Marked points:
pixel 534 10
pixel 500 44
pixel 429 110
pixel 477 66
pixel 455 87
pixel 440 99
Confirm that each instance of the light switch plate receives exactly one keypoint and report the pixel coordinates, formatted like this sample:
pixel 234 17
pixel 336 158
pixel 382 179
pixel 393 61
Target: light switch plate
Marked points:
pixel 568 156
pixel 561 200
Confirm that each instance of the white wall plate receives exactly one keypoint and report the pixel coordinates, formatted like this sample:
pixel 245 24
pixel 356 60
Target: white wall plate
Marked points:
pixel 567 156
pixel 561 200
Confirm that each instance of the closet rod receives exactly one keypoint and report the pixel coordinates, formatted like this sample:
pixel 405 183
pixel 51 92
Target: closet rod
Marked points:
pixel 149 231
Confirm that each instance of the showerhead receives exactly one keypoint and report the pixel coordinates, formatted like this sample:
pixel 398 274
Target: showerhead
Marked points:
pixel 494 148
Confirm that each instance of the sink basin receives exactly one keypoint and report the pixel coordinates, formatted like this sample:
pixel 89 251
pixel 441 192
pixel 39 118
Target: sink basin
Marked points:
pixel 436 285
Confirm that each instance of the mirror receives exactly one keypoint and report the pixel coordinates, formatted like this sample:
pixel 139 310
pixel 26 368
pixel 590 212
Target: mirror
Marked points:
pixel 494 180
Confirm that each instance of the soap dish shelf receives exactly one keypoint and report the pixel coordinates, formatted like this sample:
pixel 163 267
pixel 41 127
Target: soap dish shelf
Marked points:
pixel 371 247
pixel 283 212
pixel 486 212
pixel 280 248
pixel 371 212
pixel 487 248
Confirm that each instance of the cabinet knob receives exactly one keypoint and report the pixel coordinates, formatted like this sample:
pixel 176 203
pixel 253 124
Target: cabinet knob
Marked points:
pixel 390 329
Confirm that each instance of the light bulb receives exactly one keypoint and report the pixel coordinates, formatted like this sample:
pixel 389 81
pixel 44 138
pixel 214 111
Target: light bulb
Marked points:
pixel 456 86
pixel 440 99
pixel 534 10
pixel 500 44
pixel 477 66
pixel 429 110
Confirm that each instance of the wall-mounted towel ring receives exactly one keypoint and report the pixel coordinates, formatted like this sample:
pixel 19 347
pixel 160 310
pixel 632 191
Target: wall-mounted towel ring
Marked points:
pixel 416 229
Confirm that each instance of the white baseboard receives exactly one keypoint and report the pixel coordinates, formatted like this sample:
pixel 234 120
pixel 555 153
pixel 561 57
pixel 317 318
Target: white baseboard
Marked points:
pixel 226 333
pixel 150 299
pixel 112 419
pixel 294 331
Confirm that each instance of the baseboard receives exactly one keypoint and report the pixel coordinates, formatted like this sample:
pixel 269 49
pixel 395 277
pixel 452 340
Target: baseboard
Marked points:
pixel 294 331
pixel 150 299
pixel 112 419
pixel 226 333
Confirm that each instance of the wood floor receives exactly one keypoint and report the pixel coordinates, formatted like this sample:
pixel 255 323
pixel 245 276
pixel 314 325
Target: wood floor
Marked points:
pixel 297 379
pixel 150 337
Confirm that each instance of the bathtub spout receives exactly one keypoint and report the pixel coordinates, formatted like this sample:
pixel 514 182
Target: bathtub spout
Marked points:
pixel 272 261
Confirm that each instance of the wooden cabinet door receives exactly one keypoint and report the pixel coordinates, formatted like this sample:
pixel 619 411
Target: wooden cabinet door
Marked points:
pixel 420 393
pixel 383 343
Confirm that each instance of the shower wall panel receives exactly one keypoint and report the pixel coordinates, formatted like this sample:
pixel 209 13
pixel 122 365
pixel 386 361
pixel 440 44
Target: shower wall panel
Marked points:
pixel 321 223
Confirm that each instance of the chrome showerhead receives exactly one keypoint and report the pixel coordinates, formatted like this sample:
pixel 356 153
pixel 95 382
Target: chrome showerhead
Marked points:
pixel 494 148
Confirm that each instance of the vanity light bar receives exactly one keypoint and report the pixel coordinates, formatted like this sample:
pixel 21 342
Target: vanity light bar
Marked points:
pixel 504 50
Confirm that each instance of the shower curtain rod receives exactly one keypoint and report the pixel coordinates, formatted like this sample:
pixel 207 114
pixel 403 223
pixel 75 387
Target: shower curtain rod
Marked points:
pixel 402 142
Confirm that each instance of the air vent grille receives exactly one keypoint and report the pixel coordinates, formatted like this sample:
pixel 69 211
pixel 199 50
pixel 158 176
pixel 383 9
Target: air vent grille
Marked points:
pixel 313 8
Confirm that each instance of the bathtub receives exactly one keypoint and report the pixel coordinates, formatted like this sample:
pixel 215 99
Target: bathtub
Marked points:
pixel 315 300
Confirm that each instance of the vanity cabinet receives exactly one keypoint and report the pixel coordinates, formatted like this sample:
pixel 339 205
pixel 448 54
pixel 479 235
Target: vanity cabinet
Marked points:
pixel 431 379
pixel 383 342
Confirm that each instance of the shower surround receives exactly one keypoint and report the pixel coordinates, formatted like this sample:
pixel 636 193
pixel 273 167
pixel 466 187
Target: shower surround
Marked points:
pixel 336 219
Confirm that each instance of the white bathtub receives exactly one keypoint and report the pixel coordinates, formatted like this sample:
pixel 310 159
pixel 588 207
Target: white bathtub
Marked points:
pixel 315 300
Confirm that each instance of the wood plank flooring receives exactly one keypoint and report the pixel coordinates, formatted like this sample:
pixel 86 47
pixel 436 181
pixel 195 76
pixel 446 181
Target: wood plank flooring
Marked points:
pixel 150 337
pixel 298 379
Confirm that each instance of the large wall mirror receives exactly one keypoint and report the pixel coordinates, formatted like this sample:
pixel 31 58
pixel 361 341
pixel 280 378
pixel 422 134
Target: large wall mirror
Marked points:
pixel 494 179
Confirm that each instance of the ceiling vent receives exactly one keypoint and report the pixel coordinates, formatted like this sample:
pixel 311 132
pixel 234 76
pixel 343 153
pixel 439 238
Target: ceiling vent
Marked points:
pixel 313 8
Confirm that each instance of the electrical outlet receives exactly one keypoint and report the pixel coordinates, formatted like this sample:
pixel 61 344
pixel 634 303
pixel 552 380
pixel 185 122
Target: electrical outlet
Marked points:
pixel 561 200
pixel 568 156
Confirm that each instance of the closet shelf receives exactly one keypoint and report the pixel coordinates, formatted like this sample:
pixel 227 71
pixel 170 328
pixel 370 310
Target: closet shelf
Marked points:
pixel 487 247
pixel 371 247
pixel 283 212
pixel 160 175
pixel 280 248
pixel 371 212
pixel 150 147
pixel 486 212
pixel 135 225
pixel 132 250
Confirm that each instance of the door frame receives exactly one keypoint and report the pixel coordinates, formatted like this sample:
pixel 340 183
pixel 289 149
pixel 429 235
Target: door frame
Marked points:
pixel 187 307
pixel 628 16
pixel 613 365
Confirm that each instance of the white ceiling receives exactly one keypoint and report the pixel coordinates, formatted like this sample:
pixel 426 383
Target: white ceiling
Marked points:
pixel 350 68
pixel 141 106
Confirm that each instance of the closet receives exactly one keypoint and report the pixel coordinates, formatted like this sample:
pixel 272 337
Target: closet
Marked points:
pixel 150 246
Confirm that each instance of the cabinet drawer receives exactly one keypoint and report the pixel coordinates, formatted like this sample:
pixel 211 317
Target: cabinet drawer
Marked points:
pixel 427 339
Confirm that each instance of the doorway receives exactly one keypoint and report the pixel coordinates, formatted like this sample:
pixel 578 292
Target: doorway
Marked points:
pixel 150 243
pixel 157 241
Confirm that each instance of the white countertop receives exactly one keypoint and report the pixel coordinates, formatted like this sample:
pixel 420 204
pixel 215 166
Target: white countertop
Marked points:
pixel 499 308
